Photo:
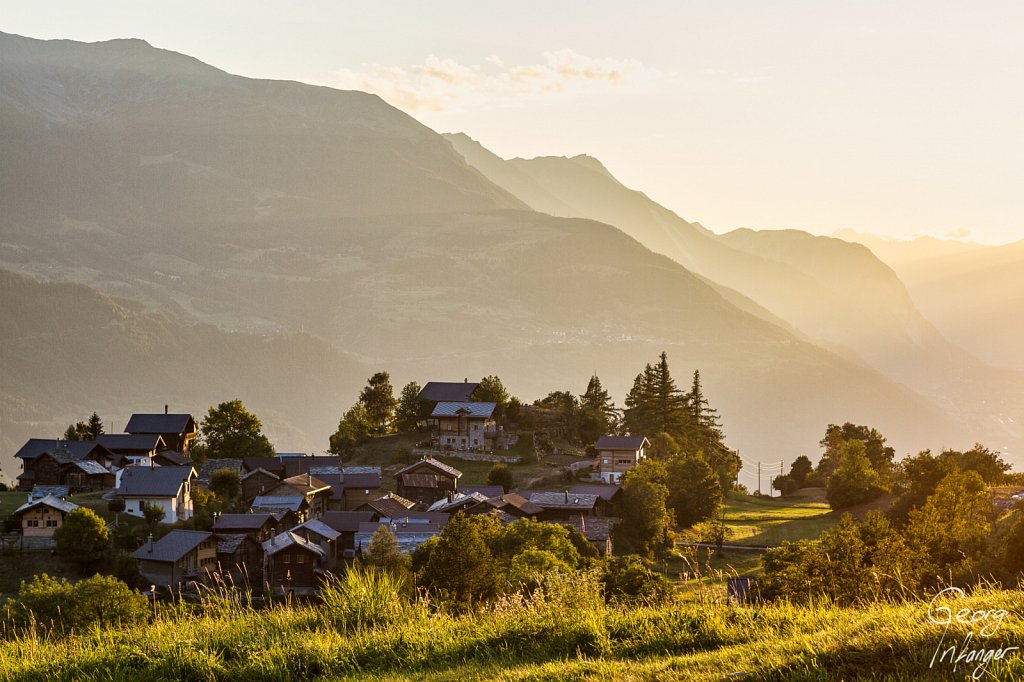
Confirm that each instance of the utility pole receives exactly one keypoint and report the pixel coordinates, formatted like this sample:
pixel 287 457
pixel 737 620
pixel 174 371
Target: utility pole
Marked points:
pixel 758 478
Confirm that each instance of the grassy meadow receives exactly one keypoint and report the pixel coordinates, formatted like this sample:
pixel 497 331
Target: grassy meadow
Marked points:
pixel 566 633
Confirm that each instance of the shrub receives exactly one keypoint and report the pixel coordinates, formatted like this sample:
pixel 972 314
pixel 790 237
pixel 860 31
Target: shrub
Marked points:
pixel 627 579
pixel 60 606
pixel 82 538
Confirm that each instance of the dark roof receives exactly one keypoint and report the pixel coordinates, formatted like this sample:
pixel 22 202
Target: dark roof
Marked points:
pixel 563 500
pixel 294 466
pixel 387 506
pixel 209 466
pixel 173 457
pixel 302 483
pixel 361 480
pixel 594 528
pixel 411 517
pixel 520 503
pixel 447 391
pixel 459 501
pixel 172 546
pixel 287 539
pixel 605 492
pixel 431 463
pixel 319 527
pixel 76 449
pixel 153 481
pixel 271 464
pixel 487 491
pixel 161 423
pixel 289 502
pixel 453 409
pixel 620 442
pixel 422 480
pixel 242 521
pixel 90 467
pixel 48 501
pixel 228 543
pixel 131 442
pixel 41 491
pixel 346 521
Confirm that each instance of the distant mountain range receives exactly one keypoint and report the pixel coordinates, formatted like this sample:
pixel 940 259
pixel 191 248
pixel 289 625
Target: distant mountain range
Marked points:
pixel 341 236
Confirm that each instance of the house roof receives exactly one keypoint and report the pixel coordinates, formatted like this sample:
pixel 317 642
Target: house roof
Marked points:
pixel 621 442
pixel 605 492
pixel 360 479
pixel 445 391
pixel 488 491
pixel 41 491
pixel 412 517
pixel 320 528
pixel 290 539
pixel 346 521
pixel 563 500
pixel 76 449
pixel 48 501
pixel 228 543
pixel 259 470
pixel 131 442
pixel 160 423
pixel 391 505
pixel 242 521
pixel 290 502
pixel 153 481
pixel 594 528
pixel 271 464
pixel 520 503
pixel 293 466
pixel 454 409
pixel 173 457
pixel 209 466
pixel 172 546
pixel 90 467
pixel 423 480
pixel 399 527
pixel 304 483
pixel 458 500
pixel 432 463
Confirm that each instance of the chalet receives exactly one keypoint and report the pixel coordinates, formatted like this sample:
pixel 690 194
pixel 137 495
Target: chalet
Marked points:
pixel 239 557
pixel 166 487
pixel 346 523
pixel 611 495
pixel 292 564
pixel 389 505
pixel 86 475
pixel 409 535
pixel 258 481
pixel 618 454
pixel 447 392
pixel 132 449
pixel 179 557
pixel 259 527
pixel 559 506
pixel 323 535
pixel 427 481
pixel 43 460
pixel 464 426
pixel 176 430
pixel 42 517
pixel 316 492
pixel 597 530
pixel 359 485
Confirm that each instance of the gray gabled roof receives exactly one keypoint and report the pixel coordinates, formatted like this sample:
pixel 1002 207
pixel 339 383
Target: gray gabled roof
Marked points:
pixel 174 457
pixel 41 491
pixel 242 521
pixel 457 501
pixel 320 528
pixel 137 481
pixel 447 391
pixel 429 462
pixel 172 546
pixel 488 491
pixel 289 502
pixel 621 442
pixel 454 409
pixel 131 442
pixel 90 467
pixel 346 521
pixel 605 492
pixel 160 423
pixel 289 539
pixel 48 501
pixel 75 449
pixel 551 500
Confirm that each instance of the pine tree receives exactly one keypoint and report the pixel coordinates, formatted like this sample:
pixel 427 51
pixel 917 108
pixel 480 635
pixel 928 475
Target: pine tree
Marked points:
pixel 599 414
pixel 94 427
pixel 379 400
pixel 411 408
pixel 670 404
pixel 638 415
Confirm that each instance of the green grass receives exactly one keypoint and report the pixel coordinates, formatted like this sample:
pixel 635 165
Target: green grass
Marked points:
pixel 569 635
pixel 11 500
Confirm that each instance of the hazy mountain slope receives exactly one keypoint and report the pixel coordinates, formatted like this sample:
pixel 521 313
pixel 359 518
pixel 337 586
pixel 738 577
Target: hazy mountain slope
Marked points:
pixel 276 206
pixel 66 350
pixel 835 292
pixel 972 292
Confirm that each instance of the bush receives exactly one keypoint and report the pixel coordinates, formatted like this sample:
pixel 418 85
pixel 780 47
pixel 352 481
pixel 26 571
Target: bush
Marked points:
pixel 60 606
pixel 116 505
pixel 627 579
pixel 786 485
pixel 83 538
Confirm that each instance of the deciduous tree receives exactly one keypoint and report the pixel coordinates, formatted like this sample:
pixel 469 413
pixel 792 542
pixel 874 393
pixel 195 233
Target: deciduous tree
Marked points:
pixel 230 431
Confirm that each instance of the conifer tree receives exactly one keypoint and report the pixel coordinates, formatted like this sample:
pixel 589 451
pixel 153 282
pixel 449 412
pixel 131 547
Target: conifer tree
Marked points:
pixel 378 399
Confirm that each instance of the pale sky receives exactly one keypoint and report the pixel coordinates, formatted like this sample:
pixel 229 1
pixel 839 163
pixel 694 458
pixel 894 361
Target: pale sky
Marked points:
pixel 894 118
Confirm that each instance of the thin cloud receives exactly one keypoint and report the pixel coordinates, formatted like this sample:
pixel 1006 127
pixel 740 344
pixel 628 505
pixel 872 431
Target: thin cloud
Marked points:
pixel 441 84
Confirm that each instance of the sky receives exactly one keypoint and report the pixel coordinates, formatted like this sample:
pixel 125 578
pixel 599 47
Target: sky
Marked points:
pixel 899 119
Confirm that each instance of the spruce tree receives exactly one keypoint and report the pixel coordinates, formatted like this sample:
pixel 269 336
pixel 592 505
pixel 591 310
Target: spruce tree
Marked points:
pixel 378 399
pixel 94 427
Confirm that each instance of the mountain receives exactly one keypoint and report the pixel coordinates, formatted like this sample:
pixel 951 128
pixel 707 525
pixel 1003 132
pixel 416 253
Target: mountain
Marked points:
pixel 834 292
pixel 279 207
pixel 67 350
pixel 972 292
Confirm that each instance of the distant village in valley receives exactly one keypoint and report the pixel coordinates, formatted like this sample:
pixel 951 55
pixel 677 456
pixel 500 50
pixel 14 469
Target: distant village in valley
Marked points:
pixel 283 522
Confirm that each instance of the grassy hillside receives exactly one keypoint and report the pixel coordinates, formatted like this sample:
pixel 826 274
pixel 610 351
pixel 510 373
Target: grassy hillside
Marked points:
pixel 564 635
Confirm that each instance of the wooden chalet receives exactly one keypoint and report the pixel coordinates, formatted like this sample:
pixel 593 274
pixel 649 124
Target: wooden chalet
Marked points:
pixel 42 517
pixel 180 557
pixel 464 426
pixel 50 462
pixel 177 431
pixel 293 565
pixel 618 454
pixel 427 481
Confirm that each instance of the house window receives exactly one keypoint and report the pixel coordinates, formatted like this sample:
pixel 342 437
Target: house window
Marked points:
pixel 300 559
pixel 51 523
pixel 605 461
pixel 625 461
pixel 286 559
